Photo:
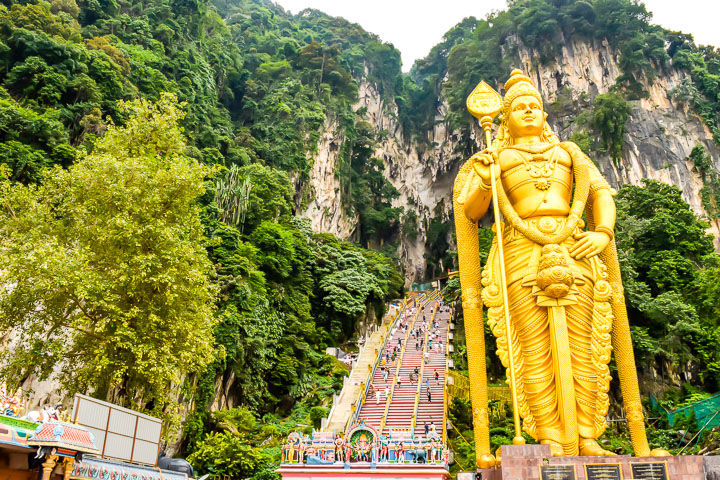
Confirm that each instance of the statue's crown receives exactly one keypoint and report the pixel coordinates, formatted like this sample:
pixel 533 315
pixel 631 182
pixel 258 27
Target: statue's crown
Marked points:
pixel 518 85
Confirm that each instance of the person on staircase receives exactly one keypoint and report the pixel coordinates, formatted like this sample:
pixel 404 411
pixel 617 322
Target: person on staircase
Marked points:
pixel 429 395
pixel 437 377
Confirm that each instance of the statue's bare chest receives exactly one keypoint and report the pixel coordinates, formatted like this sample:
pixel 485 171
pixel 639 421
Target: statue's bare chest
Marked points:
pixel 537 182
pixel 538 169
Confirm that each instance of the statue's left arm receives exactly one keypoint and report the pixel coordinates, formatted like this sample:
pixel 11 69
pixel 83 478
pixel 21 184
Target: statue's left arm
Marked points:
pixel 591 243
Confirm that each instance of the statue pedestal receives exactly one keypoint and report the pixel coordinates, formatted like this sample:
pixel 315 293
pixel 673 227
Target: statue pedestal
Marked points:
pixel 526 462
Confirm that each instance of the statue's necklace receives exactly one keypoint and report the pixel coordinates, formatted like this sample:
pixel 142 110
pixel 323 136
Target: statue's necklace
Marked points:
pixel 538 167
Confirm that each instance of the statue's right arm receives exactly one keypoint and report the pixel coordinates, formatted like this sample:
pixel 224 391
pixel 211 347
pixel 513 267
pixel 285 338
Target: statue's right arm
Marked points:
pixel 477 202
pixel 476 193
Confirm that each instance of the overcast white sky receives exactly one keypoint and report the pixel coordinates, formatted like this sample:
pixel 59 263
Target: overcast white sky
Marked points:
pixel 415 26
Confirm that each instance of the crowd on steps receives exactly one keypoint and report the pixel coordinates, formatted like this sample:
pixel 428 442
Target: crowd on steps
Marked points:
pixel 410 376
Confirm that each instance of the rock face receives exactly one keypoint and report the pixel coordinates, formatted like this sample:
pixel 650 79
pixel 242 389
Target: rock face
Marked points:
pixel 660 134
pixel 325 208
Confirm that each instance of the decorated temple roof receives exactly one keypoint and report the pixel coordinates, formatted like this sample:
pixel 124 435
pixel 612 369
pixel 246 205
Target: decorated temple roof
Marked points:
pixel 63 435
pixel 15 432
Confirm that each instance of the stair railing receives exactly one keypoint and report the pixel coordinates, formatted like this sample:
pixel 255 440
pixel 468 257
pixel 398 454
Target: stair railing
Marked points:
pixel 445 386
pixel 366 385
pixel 388 401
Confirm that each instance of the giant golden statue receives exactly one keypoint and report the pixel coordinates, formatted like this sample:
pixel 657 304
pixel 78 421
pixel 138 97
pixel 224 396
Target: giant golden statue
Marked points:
pixel 552 285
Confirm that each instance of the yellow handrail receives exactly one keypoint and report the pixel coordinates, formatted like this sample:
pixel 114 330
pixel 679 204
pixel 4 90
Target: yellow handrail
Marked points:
pixel 388 401
pixel 422 372
pixel 445 387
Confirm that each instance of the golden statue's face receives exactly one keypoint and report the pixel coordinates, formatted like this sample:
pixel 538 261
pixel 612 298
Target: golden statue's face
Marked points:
pixel 526 117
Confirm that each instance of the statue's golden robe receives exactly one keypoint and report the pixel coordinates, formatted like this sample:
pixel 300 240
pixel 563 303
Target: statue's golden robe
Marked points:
pixel 589 322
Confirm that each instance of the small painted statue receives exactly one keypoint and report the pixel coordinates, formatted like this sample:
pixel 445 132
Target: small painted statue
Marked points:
pixel 383 449
pixel 400 452
pixel 433 451
pixel 339 448
pixel 301 450
pixel 348 451
pixel 10 405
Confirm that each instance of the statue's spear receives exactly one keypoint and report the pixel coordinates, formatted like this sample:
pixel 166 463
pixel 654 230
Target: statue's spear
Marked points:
pixel 484 103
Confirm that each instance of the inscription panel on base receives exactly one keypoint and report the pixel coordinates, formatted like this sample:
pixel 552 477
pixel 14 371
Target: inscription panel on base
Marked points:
pixel 649 470
pixel 557 472
pixel 603 471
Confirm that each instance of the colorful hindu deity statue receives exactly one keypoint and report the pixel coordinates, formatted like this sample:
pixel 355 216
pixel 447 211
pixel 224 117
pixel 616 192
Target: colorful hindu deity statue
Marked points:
pixel 10 405
pixel 400 453
pixel 339 448
pixel 433 451
pixel 384 449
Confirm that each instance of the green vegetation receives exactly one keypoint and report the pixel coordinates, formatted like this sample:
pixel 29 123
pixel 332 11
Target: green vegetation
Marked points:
pixel 127 217
pixel 610 114
pixel 710 193
pixel 105 272
pixel 670 275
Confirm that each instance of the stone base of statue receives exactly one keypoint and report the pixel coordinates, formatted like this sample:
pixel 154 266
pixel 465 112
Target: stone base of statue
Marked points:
pixel 534 462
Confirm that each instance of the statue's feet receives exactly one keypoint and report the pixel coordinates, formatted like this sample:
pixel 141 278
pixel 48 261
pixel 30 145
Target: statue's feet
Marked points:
pixel 555 448
pixel 590 448
pixel 659 452
pixel 486 461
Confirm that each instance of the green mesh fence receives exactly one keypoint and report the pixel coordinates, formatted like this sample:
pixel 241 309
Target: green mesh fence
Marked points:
pixel 422 287
pixel 703 409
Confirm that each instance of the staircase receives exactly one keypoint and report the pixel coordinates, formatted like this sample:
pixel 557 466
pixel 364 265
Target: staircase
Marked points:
pixel 342 411
pixel 373 411
pixel 432 412
pixel 408 406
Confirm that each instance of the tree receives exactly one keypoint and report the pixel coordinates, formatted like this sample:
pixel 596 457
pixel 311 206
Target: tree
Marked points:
pixel 670 277
pixel 227 454
pixel 610 115
pixel 105 279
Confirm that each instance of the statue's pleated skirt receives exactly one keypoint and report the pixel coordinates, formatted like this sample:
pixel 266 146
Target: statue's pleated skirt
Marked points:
pixel 589 319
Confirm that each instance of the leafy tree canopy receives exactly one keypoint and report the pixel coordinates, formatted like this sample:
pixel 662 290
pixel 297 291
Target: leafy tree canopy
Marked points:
pixel 105 276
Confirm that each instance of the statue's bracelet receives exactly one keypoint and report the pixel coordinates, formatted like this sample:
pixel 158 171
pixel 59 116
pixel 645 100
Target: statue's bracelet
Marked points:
pixel 606 230
pixel 483 185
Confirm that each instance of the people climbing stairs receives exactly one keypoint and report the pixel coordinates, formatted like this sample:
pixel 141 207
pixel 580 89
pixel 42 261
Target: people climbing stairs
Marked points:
pixel 408 384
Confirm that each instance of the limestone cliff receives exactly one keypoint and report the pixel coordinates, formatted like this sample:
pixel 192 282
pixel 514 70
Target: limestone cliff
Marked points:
pixel 324 207
pixel 661 132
